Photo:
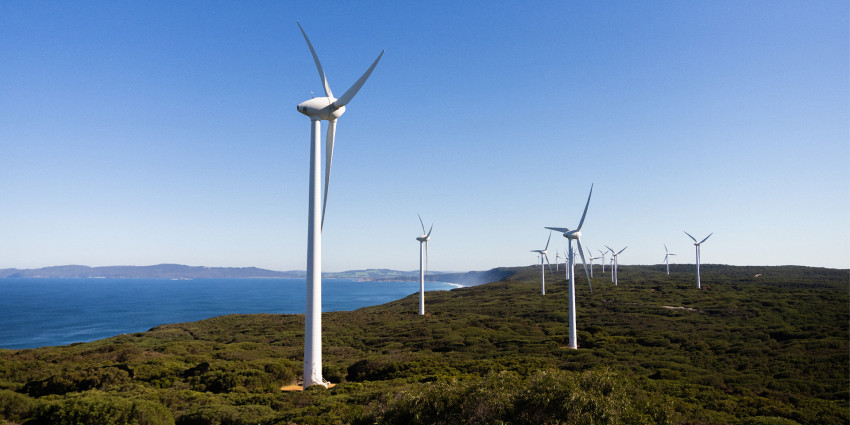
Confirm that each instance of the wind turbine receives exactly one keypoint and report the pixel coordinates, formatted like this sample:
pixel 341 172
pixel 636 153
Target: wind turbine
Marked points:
pixel 697 244
pixel 326 108
pixel 601 252
pixel 575 235
pixel 557 259
pixel 423 263
pixel 667 255
pixel 615 254
pixel 591 258
pixel 542 253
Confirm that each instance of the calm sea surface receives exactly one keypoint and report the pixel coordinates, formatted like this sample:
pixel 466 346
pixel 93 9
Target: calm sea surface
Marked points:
pixel 42 312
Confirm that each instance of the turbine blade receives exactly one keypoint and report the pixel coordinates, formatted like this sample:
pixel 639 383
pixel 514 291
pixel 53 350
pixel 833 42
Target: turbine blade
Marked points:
pixel 665 248
pixel 547 262
pixel 706 238
pixel 348 95
pixel 581 252
pixel 327 87
pixel 689 235
pixel 547 241
pixel 585 207
pixel 558 229
pixel 429 231
pixel 420 222
pixel 621 251
pixel 329 154
pixel 609 248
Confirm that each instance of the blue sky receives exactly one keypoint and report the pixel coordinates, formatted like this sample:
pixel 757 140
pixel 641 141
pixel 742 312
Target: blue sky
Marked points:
pixel 137 133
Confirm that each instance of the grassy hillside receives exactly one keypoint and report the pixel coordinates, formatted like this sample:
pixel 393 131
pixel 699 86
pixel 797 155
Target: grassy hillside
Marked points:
pixel 757 345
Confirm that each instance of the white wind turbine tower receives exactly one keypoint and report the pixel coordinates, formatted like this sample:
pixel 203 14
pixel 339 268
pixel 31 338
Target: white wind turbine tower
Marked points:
pixel 542 253
pixel 557 259
pixel 602 253
pixel 667 255
pixel 591 258
pixel 697 244
pixel 326 108
pixel 423 263
pixel 615 254
pixel 575 235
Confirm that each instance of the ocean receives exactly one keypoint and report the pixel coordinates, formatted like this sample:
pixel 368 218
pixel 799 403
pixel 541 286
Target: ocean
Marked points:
pixel 45 312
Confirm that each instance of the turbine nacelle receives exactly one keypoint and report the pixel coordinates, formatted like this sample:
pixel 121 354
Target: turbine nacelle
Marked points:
pixel 695 239
pixel 321 108
pixel 423 238
pixel 567 233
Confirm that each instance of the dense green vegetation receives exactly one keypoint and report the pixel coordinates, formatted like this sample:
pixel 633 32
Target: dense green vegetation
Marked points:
pixel 757 345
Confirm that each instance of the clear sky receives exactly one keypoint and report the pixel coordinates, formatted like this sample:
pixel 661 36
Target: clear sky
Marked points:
pixel 138 133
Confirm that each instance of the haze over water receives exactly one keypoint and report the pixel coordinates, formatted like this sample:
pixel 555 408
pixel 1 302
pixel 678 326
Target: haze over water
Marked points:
pixel 44 312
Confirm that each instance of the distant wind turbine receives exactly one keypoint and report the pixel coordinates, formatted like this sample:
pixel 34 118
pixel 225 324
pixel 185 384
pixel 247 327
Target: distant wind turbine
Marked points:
pixel 667 255
pixel 697 244
pixel 602 253
pixel 557 259
pixel 326 108
pixel 542 253
pixel 423 263
pixel 575 235
pixel 615 254
pixel 591 258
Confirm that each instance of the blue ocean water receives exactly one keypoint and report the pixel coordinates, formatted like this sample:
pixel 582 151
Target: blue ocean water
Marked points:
pixel 44 312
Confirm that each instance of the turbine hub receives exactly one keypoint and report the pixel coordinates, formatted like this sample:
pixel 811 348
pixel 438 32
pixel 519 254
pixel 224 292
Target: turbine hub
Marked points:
pixel 321 108
pixel 423 238
pixel 575 234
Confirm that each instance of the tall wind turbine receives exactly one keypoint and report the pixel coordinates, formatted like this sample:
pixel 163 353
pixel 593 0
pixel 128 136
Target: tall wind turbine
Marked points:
pixel 575 235
pixel 615 254
pixel 697 244
pixel 326 108
pixel 542 253
pixel 667 255
pixel 423 263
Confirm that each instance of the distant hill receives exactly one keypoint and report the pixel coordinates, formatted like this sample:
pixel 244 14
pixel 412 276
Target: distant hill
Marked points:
pixel 177 271
pixel 160 271
pixel 463 278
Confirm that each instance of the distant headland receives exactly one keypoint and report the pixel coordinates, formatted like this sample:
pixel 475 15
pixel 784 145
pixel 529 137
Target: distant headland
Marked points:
pixel 178 271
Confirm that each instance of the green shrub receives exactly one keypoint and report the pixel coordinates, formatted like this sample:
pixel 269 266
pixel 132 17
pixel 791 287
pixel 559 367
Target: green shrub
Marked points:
pixel 227 415
pixel 96 408
pixel 769 420
pixel 15 406
pixel 546 397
